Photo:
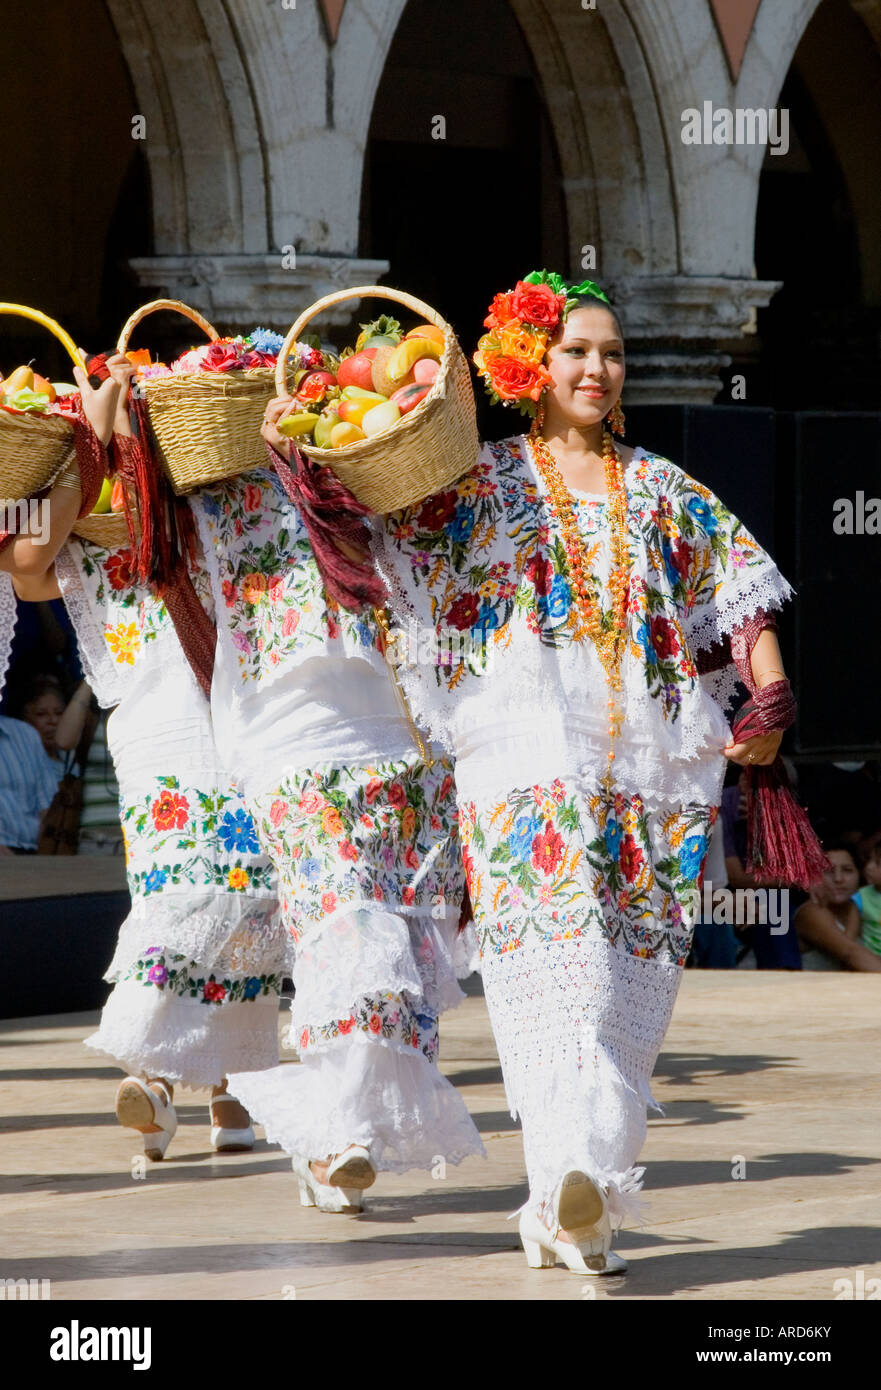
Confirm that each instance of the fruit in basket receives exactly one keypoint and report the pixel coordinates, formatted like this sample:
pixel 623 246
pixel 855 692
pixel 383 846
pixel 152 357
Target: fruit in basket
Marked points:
pixel 345 433
pixel 404 358
pixel 314 386
pixel 380 418
pixel 384 331
pixel 428 330
pixel 21 379
pixel 408 397
pixel 357 370
pixel 352 412
pixel 102 504
pixel 117 497
pixel 301 422
pixel 26 399
pixel 425 371
pixel 64 388
pixel 322 432
pixel 44 387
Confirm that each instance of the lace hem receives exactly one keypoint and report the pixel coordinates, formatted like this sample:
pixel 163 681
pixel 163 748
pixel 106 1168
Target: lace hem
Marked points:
pixel 767 589
pixel 722 686
pixel 225 934
pixel 8 615
pixel 149 1033
pixel 371 951
pixel 578 1026
pixel 362 1091
pixel 105 679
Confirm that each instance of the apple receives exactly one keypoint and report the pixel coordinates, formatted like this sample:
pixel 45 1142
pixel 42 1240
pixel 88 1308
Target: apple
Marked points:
pixel 380 418
pixel 357 370
pixel 353 412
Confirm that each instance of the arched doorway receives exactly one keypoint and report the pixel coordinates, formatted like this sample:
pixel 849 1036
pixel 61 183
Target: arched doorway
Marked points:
pixel 462 216
pixel 818 228
pixel 74 198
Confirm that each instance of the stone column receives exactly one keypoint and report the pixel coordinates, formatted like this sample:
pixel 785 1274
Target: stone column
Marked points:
pixel 673 325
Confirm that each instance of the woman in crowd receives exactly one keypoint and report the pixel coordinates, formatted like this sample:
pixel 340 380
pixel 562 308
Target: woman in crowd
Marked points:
pixel 604 594
pixel 829 927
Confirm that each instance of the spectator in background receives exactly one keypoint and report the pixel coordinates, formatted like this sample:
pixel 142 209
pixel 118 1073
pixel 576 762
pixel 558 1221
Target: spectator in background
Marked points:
pixel 27 785
pixel 100 829
pixel 828 925
pixel 42 707
pixel 868 900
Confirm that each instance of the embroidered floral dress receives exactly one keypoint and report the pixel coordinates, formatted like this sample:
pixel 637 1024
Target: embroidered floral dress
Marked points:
pixel 199 962
pixel 363 834
pixel 583 901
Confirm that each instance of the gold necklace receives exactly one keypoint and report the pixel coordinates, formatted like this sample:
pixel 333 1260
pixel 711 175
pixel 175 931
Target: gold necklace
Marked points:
pixel 609 636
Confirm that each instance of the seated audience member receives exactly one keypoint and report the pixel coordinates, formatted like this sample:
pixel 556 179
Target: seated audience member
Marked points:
pixel 868 899
pixel 42 707
pixel 828 925
pixel 28 783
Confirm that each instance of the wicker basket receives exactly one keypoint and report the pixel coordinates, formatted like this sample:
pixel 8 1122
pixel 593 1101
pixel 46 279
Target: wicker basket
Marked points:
pixel 206 424
pixel 34 448
pixel 108 529
pixel 429 448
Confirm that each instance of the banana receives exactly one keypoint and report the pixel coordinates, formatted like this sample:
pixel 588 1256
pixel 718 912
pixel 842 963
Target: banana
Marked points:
pixel 303 422
pixel 411 351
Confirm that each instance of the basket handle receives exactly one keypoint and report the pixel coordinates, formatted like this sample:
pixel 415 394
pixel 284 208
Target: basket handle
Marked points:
pixel 409 301
pixel 22 311
pixel 153 307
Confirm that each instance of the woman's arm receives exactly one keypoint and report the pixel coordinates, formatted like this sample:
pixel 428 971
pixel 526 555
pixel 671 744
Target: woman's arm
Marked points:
pixel 70 725
pixel 815 925
pixel 766 665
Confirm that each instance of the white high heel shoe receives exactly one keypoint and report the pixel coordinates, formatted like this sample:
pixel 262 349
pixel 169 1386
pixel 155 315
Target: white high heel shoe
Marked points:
pixel 225 1140
pixel 352 1168
pixel 323 1195
pixel 578 1207
pixel 138 1107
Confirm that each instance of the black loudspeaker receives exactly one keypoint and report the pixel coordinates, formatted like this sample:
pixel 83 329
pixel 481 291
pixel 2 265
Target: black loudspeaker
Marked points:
pixel 731 449
pixel 836 473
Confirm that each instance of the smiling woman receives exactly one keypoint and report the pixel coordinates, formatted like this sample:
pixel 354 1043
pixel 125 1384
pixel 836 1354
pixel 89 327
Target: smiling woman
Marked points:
pixel 612 595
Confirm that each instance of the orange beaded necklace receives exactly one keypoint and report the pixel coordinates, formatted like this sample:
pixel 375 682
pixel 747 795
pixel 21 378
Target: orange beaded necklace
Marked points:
pixel 608 633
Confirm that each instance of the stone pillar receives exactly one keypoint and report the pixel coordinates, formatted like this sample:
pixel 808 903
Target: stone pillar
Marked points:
pixel 673 325
pixel 239 292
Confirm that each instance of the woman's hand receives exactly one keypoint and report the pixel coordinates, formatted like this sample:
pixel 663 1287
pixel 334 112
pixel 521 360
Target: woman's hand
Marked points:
pixel 100 405
pixel 276 410
pixel 755 752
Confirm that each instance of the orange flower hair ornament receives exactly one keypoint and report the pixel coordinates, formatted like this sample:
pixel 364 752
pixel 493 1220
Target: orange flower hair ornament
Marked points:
pixel 521 323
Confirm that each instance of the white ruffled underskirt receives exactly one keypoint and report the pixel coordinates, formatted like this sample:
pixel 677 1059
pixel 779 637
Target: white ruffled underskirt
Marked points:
pixel 149 1032
pixel 578 1026
pixel 366 952
pixel 360 1090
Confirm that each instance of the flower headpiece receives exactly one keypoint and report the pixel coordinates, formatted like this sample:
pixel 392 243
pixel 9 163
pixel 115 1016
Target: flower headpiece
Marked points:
pixel 521 323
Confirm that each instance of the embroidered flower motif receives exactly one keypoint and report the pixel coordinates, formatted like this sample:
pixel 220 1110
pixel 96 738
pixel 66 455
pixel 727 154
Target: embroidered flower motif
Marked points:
pixel 120 569
pixel 278 811
pixel 237 833
pixel 154 880
pixel 238 878
pixel 213 992
pixel 170 811
pixel 157 974
pixel 548 849
pixel 125 643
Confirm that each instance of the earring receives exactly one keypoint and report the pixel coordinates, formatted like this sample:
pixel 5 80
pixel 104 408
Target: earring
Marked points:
pixel 538 418
pixel 615 419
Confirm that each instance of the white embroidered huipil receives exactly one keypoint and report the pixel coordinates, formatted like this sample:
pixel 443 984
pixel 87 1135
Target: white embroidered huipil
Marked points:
pixel 583 903
pixel 199 963
pixel 363 835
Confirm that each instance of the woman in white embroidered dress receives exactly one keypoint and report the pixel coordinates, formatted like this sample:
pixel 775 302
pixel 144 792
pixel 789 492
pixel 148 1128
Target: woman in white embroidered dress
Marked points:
pixel 199 962
pixel 363 833
pixel 586 579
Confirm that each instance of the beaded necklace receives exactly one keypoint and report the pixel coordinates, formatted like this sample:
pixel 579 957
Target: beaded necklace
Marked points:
pixel 609 635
